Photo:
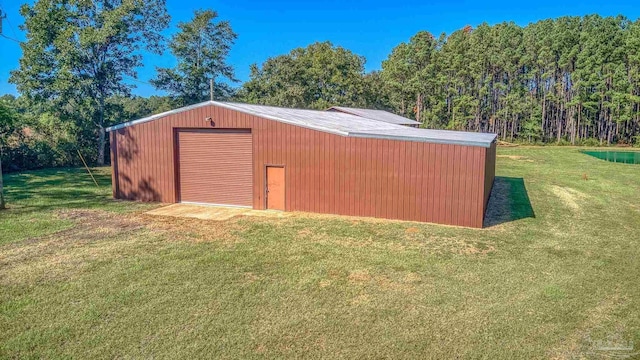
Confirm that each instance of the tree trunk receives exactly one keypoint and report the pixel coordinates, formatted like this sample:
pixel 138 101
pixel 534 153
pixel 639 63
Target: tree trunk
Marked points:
pixel 559 121
pixel 513 127
pixel 2 202
pixel 101 134
pixel 101 145
pixel 418 107
pixel 544 116
pixel 578 126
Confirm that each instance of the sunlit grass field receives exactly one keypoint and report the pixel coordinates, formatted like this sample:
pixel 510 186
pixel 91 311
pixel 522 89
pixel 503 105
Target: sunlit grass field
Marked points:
pixel 554 273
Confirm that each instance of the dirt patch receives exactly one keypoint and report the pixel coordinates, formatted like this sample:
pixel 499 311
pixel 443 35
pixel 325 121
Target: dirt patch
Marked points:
pixel 107 220
pixel 395 239
pixel 304 232
pixel 196 230
pixel 411 230
pixel 465 248
pixel 502 143
pixel 261 349
pixel 101 236
pixel 359 276
pixel 571 198
pixel 400 242
pixel 96 235
pixel 412 277
pixel 354 220
pixel 516 157
pixel 250 277
pixel 87 224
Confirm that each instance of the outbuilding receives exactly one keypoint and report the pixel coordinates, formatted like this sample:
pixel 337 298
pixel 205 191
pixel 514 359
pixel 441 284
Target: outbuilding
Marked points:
pixel 265 157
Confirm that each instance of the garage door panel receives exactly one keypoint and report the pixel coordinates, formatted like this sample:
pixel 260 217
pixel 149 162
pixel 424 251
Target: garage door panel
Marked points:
pixel 215 166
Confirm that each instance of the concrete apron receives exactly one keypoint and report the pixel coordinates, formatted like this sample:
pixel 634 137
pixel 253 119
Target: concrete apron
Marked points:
pixel 213 212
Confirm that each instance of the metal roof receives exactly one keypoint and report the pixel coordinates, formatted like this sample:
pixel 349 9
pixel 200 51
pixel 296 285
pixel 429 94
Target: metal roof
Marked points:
pixel 379 115
pixel 338 123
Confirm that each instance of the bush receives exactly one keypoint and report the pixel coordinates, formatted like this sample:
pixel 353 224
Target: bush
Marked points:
pixel 564 142
pixel 589 142
pixel 32 153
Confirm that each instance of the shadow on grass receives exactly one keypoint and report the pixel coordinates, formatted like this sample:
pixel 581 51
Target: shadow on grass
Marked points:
pixel 509 201
pixel 57 188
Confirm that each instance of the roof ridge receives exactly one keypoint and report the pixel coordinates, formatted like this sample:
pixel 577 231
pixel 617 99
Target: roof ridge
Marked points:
pixel 335 122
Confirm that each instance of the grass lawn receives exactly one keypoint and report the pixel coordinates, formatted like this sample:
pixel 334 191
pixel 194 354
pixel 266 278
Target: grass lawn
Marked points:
pixel 83 276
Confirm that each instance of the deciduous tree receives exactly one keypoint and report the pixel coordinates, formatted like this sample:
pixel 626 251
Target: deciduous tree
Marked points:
pixel 317 77
pixel 7 120
pixel 201 48
pixel 78 53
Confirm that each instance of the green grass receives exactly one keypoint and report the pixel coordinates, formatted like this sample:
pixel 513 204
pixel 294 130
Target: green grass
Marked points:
pixel 35 199
pixel 84 276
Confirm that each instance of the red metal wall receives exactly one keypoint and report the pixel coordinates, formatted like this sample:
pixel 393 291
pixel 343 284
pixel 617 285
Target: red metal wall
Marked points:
pixel 325 173
pixel 489 173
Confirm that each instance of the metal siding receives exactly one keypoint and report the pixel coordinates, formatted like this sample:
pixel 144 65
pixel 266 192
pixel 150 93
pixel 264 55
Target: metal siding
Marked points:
pixel 478 184
pixel 452 186
pixel 331 168
pixel 410 202
pixel 343 175
pixel 405 179
pixel 352 174
pixel 438 186
pixel 421 189
pixel 315 170
pixel 461 189
pixel 325 172
pixel 114 163
pixel 489 173
pixel 383 188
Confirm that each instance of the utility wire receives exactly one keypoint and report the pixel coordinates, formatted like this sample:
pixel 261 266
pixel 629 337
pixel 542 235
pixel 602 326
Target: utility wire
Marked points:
pixel 12 39
pixel 3 15
pixel 136 80
pixel 13 30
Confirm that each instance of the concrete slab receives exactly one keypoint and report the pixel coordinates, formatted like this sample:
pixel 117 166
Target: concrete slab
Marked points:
pixel 211 212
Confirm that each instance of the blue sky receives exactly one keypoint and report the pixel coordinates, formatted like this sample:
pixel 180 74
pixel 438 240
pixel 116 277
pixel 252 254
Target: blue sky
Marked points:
pixel 369 28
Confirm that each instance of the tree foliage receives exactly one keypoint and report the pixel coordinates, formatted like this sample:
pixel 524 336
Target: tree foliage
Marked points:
pixel 201 48
pixel 40 138
pixel 569 79
pixel 318 76
pixel 7 126
pixel 78 52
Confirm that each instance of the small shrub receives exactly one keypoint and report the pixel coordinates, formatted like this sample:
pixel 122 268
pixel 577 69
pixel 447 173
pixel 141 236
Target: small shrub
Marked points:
pixel 589 142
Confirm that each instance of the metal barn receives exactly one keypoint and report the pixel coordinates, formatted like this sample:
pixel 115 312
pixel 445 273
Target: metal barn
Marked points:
pixel 335 162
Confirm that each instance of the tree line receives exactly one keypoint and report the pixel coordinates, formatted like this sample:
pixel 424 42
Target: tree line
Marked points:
pixel 571 80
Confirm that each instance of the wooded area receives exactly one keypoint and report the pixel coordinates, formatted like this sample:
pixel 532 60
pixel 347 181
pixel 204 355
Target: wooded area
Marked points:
pixel 567 80
pixel 571 80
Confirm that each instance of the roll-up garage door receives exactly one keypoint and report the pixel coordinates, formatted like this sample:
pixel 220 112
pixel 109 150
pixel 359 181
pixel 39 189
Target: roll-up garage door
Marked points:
pixel 215 166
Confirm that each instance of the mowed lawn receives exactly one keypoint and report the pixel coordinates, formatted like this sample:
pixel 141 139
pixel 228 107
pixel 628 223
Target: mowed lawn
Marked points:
pixel 556 270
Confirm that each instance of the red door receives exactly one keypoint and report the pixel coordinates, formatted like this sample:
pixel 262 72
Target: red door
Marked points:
pixel 275 188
